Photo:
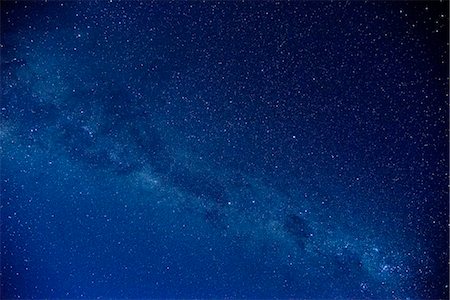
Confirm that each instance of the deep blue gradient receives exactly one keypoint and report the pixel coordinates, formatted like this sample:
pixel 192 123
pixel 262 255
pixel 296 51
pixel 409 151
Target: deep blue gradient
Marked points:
pixel 224 150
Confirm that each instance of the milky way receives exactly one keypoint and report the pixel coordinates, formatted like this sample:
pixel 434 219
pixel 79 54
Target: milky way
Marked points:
pixel 224 150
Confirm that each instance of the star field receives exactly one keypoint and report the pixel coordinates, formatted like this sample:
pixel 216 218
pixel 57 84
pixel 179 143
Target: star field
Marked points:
pixel 202 149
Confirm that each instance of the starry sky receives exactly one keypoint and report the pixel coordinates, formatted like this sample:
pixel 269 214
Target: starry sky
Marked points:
pixel 206 149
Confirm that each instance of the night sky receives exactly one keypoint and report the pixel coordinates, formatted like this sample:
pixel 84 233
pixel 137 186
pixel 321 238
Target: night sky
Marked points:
pixel 224 150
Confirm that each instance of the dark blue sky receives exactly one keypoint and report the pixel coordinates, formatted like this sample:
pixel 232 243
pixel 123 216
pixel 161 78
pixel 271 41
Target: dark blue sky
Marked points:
pixel 224 149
